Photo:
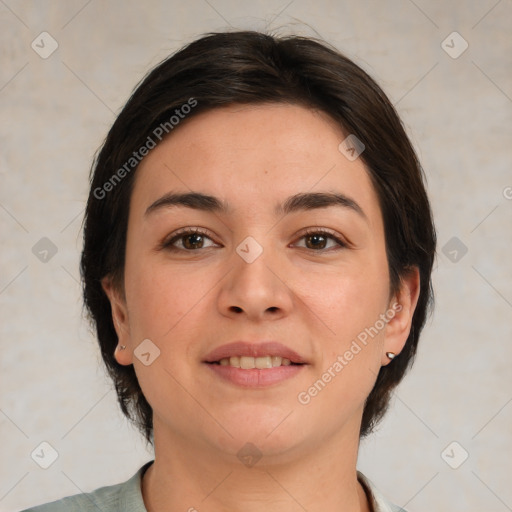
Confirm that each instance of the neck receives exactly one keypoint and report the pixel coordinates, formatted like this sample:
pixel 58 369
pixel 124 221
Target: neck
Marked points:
pixel 192 477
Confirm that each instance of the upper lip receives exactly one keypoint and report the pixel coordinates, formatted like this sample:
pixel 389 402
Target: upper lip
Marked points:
pixel 244 348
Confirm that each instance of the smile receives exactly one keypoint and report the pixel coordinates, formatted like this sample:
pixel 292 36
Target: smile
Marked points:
pixel 255 372
pixel 247 362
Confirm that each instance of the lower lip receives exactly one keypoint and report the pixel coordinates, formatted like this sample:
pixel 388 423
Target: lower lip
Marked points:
pixel 255 378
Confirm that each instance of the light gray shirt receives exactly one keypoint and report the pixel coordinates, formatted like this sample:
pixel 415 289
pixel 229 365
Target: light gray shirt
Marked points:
pixel 127 497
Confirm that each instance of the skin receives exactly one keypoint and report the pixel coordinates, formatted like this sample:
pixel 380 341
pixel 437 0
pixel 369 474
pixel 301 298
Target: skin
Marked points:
pixel 315 301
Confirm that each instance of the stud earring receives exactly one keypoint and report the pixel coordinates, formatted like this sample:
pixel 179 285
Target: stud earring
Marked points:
pixel 391 355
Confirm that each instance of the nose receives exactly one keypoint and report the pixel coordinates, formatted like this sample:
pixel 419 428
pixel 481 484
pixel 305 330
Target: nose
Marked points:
pixel 255 290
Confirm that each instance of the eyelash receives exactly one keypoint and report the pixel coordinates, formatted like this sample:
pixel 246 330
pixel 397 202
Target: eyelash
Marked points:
pixel 168 244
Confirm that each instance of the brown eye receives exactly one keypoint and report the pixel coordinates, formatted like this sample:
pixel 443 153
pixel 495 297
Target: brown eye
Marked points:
pixel 320 240
pixel 193 241
pixel 188 240
pixel 316 241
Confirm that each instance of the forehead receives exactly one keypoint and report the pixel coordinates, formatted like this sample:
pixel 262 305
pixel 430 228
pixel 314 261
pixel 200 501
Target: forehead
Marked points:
pixel 254 156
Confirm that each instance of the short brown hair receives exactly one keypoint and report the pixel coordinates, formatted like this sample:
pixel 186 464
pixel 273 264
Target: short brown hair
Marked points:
pixel 249 67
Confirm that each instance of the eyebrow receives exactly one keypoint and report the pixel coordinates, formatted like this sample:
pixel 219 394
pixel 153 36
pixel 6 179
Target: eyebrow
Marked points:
pixel 295 203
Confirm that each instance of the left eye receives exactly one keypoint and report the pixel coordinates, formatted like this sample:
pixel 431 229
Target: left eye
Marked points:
pixel 319 240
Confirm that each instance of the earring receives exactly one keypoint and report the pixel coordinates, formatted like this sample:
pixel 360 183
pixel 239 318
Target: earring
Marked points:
pixel 122 347
pixel 391 355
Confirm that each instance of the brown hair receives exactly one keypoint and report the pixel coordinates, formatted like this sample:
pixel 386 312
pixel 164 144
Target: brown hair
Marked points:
pixel 249 68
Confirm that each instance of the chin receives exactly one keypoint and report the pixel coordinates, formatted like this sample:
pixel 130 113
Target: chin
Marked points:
pixel 267 436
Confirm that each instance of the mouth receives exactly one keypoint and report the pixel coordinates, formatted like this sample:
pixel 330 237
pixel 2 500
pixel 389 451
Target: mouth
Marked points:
pixel 254 365
pixel 267 354
pixel 261 363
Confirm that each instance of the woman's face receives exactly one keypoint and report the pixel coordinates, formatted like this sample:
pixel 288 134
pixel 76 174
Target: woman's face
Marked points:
pixel 260 266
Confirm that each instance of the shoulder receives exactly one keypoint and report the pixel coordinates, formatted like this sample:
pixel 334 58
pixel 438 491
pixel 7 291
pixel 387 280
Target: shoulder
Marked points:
pixel 123 497
pixel 377 500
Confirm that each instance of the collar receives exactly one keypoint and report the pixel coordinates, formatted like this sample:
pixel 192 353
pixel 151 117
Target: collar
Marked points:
pixel 378 503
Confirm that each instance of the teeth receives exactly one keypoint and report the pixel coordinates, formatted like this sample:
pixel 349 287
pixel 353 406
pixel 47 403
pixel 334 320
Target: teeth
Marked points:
pixel 247 362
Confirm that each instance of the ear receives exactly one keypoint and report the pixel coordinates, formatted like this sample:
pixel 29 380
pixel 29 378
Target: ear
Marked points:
pixel 403 304
pixel 120 319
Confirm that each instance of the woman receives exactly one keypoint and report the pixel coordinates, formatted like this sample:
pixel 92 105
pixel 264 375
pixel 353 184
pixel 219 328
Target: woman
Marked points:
pixel 258 248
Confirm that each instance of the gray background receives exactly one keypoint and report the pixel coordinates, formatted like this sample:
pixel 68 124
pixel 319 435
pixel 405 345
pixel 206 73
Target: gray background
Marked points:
pixel 55 113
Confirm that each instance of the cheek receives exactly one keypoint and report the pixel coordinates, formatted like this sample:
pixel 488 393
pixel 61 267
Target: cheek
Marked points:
pixel 157 298
pixel 349 305
pixel 350 350
pixel 164 305
pixel 349 300
pixel 169 303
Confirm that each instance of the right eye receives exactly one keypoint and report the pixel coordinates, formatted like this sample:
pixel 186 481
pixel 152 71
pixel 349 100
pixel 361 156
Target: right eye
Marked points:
pixel 188 240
